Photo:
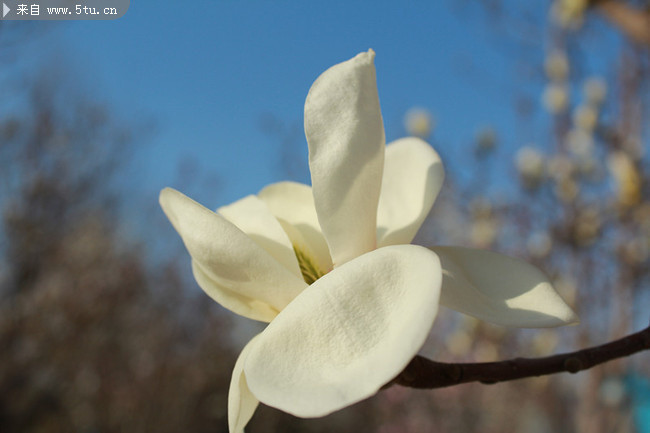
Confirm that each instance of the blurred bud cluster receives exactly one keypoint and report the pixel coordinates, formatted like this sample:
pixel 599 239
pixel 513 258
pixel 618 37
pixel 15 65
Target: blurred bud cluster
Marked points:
pixel 579 208
pixel 419 122
pixel 569 13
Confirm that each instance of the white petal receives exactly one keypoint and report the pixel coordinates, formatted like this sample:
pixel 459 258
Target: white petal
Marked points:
pixel 293 205
pixel 241 402
pixel 252 216
pixel 500 289
pixel 348 334
pixel 413 176
pixel 346 141
pixel 227 264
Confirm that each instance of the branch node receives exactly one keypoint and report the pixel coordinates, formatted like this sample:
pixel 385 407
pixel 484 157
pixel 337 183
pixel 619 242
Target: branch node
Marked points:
pixel 408 376
pixel 573 365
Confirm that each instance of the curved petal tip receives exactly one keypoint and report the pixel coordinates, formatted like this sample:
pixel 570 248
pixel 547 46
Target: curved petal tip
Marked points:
pixel 500 289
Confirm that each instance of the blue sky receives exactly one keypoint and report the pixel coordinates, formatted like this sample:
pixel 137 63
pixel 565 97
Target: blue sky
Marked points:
pixel 205 73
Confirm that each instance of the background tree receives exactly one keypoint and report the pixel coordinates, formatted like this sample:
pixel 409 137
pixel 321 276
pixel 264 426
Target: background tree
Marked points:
pixel 100 333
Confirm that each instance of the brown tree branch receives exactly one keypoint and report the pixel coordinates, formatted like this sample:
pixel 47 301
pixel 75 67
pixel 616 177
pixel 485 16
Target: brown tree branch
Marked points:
pixel 634 23
pixel 425 373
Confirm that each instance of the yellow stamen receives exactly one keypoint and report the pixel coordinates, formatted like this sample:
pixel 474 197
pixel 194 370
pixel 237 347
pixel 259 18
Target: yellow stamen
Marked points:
pixel 308 268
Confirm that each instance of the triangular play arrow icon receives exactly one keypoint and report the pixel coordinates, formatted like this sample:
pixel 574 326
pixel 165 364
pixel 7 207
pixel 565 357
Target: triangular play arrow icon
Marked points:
pixel 5 10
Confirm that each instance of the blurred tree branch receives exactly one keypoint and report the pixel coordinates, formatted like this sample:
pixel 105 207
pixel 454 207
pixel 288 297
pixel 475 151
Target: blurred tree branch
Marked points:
pixel 427 374
pixel 633 22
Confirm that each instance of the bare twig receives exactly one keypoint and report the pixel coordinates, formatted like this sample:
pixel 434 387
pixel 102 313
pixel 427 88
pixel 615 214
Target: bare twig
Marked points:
pixel 633 22
pixel 424 373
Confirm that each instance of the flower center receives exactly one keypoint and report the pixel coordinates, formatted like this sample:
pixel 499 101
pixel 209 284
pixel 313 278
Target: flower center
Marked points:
pixel 308 268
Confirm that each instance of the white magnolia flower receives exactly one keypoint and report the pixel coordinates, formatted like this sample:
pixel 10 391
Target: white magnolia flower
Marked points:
pixel 530 164
pixel 560 167
pixel 585 117
pixel 419 122
pixel 569 13
pixel 557 66
pixel 627 178
pixel 555 98
pixel 595 90
pixel 580 142
pixel 349 302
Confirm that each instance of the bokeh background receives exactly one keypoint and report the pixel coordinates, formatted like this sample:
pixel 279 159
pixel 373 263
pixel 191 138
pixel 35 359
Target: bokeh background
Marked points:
pixel 540 111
